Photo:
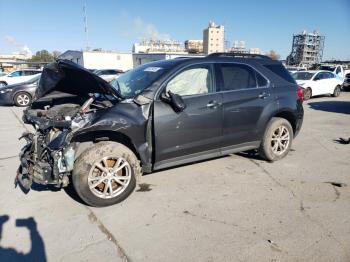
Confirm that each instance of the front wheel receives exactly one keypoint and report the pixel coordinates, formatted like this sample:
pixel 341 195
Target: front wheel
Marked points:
pixel 336 91
pixel 277 139
pixel 105 174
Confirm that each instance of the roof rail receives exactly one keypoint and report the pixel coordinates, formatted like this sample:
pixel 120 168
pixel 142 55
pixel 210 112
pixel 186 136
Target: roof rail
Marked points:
pixel 239 55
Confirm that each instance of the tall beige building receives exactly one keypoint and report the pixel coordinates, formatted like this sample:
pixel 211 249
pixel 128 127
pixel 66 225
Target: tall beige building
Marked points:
pixel 214 38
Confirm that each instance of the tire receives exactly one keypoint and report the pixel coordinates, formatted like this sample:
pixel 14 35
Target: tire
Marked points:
pixel 336 91
pixel 108 192
pixel 22 99
pixel 2 84
pixel 268 150
pixel 307 93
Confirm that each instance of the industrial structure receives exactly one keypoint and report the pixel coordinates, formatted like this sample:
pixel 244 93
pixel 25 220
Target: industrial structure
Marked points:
pixel 307 49
pixel 194 46
pixel 214 38
pixel 239 47
pixel 158 46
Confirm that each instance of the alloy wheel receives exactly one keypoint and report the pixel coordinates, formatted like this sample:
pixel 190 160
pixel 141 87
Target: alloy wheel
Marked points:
pixel 280 140
pixel 109 177
pixel 23 99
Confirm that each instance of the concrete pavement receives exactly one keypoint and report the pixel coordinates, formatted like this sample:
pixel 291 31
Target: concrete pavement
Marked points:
pixel 234 208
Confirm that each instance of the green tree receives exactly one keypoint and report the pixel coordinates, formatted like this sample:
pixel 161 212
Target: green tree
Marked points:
pixel 42 56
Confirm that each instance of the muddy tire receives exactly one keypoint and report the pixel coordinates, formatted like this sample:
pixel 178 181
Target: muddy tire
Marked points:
pixel 336 91
pixel 105 174
pixel 277 139
pixel 307 93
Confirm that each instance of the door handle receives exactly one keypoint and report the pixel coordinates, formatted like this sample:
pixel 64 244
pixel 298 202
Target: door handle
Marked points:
pixel 212 104
pixel 263 95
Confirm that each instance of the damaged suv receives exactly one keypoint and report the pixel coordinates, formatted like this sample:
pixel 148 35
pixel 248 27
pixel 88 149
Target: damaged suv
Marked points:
pixel 104 136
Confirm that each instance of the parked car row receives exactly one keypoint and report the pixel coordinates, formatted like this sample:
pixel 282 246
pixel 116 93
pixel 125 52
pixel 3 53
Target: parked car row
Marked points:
pixel 18 87
pixel 18 76
pixel 316 83
pixel 19 94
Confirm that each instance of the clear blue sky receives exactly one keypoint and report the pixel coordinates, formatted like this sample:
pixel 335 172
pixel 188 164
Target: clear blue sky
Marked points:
pixel 116 25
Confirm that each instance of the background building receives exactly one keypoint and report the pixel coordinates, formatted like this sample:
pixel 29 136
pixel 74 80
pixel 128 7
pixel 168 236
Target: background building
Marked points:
pixel 143 58
pixel 194 46
pixel 307 49
pixel 158 46
pixel 214 38
pixel 100 59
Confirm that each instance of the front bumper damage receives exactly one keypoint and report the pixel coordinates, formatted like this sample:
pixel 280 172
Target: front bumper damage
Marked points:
pixel 45 163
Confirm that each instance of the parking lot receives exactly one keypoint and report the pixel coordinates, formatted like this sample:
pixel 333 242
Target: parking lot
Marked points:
pixel 234 208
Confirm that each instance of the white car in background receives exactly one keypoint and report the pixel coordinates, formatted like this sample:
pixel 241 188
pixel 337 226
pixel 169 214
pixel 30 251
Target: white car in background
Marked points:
pixel 317 83
pixel 336 69
pixel 18 76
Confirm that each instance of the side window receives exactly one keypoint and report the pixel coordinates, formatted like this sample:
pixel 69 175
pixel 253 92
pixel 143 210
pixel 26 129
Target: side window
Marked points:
pixel 237 77
pixel 319 76
pixel 261 80
pixel 28 73
pixel 192 81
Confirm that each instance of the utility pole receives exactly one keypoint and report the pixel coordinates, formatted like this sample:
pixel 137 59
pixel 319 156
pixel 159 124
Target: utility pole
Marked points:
pixel 86 27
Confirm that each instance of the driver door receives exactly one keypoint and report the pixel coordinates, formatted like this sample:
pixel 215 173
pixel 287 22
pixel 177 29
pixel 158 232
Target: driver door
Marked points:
pixel 196 132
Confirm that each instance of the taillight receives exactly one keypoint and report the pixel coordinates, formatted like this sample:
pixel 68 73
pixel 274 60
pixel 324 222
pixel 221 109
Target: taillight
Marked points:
pixel 300 93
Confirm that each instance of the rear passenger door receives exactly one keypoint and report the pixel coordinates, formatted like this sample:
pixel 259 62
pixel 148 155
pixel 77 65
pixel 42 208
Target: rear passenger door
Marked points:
pixel 245 95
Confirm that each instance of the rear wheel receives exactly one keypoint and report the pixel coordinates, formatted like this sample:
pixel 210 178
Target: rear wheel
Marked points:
pixel 336 91
pixel 277 139
pixel 22 99
pixel 307 93
pixel 105 174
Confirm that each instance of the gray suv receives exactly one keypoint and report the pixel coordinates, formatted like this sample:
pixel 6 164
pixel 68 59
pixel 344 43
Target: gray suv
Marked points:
pixel 103 136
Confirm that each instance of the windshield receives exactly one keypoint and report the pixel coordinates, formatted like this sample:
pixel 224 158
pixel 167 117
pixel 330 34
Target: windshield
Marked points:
pixel 302 75
pixel 133 82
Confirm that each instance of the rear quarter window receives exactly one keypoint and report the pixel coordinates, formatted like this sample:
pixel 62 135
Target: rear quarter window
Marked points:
pixel 281 72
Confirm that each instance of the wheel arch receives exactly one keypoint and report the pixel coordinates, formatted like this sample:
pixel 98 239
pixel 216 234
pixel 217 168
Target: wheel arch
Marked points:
pixel 93 137
pixel 106 135
pixel 289 116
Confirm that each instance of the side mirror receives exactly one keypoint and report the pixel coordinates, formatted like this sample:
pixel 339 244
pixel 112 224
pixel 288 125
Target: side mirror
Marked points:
pixel 174 100
pixel 316 78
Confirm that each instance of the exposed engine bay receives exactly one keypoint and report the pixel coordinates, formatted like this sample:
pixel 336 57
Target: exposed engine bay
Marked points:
pixel 49 154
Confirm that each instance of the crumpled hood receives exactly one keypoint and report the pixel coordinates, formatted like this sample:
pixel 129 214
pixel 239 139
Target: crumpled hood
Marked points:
pixel 68 77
